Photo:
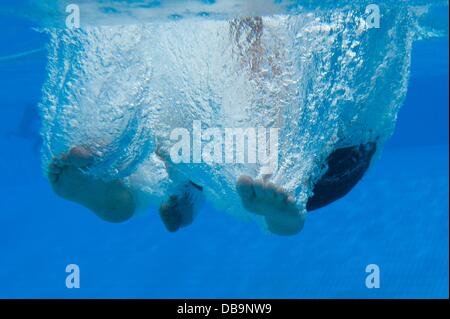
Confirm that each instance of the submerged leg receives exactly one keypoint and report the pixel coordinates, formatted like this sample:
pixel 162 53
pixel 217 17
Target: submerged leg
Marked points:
pixel 111 201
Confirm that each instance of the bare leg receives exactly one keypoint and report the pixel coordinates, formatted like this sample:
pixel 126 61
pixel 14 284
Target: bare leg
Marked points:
pixel 266 199
pixel 111 201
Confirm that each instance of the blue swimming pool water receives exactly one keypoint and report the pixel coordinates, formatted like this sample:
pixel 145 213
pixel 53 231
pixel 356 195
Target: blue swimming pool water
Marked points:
pixel 396 217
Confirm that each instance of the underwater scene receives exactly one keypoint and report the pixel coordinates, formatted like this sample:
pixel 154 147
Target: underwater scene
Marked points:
pixel 224 149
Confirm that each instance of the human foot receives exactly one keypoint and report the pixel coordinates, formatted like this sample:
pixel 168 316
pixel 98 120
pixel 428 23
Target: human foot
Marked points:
pixel 274 203
pixel 111 201
pixel 177 212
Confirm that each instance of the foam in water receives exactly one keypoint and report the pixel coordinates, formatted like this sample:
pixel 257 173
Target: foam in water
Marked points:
pixel 321 76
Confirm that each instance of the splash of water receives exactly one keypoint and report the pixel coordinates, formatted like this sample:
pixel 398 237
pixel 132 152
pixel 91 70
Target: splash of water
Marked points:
pixel 321 76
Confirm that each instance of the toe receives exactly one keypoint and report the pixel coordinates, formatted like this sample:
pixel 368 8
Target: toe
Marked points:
pixel 291 205
pixel 271 191
pixel 54 168
pixel 54 171
pixel 281 195
pixel 260 189
pixel 245 188
pixel 79 157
